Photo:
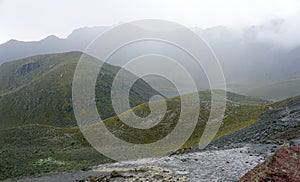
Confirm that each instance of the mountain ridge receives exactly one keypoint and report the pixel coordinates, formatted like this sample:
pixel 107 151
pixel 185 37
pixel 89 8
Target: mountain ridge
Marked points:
pixel 44 93
pixel 244 57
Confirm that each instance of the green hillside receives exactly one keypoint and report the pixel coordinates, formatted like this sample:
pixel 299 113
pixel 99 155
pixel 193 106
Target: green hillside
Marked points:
pixel 35 148
pixel 38 130
pixel 241 111
pixel 38 90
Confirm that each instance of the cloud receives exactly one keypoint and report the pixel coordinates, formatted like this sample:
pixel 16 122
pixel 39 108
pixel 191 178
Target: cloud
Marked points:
pixel 281 33
pixel 35 19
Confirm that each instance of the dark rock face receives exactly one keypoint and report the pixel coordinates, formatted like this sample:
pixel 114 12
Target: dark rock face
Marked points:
pixel 279 123
pixel 26 68
pixel 283 166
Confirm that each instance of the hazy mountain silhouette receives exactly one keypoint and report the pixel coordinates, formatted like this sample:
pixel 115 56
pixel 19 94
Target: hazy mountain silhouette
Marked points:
pixel 252 65
pixel 76 41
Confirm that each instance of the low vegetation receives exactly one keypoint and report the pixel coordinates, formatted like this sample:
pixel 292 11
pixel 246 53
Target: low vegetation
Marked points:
pixel 39 148
pixel 38 129
pixel 39 90
pixel 34 149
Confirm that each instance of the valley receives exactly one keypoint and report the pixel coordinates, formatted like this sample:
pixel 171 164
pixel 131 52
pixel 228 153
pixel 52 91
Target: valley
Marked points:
pixel 39 133
pixel 150 91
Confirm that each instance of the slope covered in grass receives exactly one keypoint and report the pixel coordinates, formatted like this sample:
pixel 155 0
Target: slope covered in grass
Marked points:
pixel 33 149
pixel 38 90
pixel 38 130
pixel 241 112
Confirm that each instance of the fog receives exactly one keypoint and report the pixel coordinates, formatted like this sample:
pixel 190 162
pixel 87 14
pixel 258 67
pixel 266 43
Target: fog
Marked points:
pixel 33 19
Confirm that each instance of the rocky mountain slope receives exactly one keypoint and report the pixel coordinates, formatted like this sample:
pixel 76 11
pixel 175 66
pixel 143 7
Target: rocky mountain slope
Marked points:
pixel 279 124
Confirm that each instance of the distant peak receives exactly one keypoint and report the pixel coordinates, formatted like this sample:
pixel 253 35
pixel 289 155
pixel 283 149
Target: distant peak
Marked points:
pixel 12 41
pixel 51 37
pixel 85 30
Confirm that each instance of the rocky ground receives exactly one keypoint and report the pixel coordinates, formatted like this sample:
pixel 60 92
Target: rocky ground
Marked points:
pixel 283 166
pixel 210 165
pixel 230 157
pixel 278 125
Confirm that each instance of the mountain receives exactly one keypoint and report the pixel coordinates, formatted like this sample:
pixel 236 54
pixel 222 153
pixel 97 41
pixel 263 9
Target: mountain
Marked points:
pixel 45 143
pixel 252 65
pixel 38 90
pixel 30 149
pixel 34 148
pixel 76 41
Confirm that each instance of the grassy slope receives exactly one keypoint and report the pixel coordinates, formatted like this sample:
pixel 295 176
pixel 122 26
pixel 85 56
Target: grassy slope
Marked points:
pixel 36 115
pixel 42 94
pixel 33 149
pixel 241 111
pixel 17 74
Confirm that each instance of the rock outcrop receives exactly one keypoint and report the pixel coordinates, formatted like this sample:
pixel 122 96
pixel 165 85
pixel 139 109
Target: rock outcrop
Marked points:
pixel 283 166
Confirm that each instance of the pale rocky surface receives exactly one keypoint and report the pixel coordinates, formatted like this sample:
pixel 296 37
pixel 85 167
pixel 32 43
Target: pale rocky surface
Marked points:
pixel 209 165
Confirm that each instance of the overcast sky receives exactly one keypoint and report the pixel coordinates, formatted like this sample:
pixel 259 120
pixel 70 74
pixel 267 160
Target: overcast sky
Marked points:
pixel 36 19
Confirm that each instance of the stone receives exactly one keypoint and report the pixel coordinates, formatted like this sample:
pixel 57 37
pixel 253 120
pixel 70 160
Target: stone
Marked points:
pixel 283 166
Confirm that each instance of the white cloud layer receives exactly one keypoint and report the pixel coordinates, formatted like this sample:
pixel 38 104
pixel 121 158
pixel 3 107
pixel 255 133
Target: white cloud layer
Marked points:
pixel 35 19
